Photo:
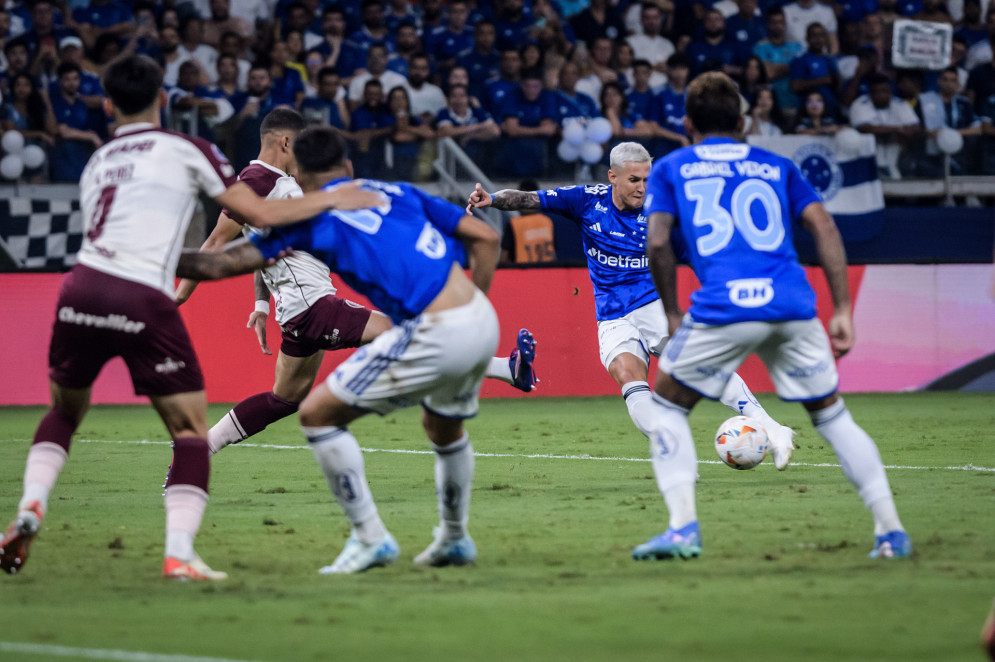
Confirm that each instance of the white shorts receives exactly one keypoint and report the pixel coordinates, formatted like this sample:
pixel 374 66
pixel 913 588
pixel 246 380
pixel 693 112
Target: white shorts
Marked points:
pixel 797 355
pixel 438 359
pixel 643 332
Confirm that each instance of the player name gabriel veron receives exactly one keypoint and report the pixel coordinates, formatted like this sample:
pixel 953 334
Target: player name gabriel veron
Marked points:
pixel 725 169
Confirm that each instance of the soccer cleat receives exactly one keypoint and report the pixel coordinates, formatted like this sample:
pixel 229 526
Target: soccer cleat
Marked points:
pixel 782 445
pixel 448 552
pixel 892 545
pixel 16 542
pixel 358 556
pixel 523 377
pixel 684 543
pixel 194 570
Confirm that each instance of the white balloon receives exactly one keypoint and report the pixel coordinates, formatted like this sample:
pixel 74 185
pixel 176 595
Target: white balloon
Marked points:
pixel 11 166
pixel 12 142
pixel 848 142
pixel 573 133
pixel 567 151
pixel 599 130
pixel 33 156
pixel 949 140
pixel 591 152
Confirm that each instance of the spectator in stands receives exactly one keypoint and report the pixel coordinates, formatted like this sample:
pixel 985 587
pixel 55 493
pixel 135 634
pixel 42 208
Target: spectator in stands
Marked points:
pixel 868 64
pixel 528 119
pixel 510 23
pixel 650 44
pixel 889 119
pixel 621 63
pixel 815 70
pixel 981 52
pixel 193 46
pixel 948 109
pixel 569 102
pixel 777 52
pixel 405 140
pixel 15 51
pixel 146 34
pixel 599 20
pixel 445 43
pixel 496 90
pixel 764 117
pixel 482 61
pixel 222 21
pixel 227 84
pixel 430 15
pixel 716 51
pixel 25 110
pixel 598 69
pixel 369 126
pixel 250 106
pixel 972 27
pixel 333 45
pixel 100 17
pixel 815 118
pixel 407 45
pixel 553 35
pixel 90 89
pixel 287 84
pixel 400 12
pixel 298 18
pixel 426 98
pixel 981 79
pixel 327 107
pixel 473 128
pixel 934 11
pixel 641 97
pixel 803 13
pixel 747 26
pixel 231 45
pixel 669 114
pixel 373 31
pixel 626 123
pixel 193 109
pixel 78 129
pixel 872 33
pixel 44 35
pixel 753 79
pixel 376 69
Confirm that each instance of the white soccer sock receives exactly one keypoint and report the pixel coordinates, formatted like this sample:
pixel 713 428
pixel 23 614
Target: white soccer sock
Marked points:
pixel 738 397
pixel 861 462
pixel 639 400
pixel 340 458
pixel 675 462
pixel 185 506
pixel 225 432
pixel 500 369
pixel 45 462
pixel 453 481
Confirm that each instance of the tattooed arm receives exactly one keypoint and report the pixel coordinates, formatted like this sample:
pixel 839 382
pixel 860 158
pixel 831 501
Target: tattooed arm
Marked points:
pixel 505 200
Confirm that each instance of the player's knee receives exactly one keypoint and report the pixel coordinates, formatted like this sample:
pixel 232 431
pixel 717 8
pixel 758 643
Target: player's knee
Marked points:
pixel 441 431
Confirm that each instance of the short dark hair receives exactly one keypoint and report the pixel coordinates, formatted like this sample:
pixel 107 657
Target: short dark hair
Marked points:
pixel 679 60
pixel 878 79
pixel 319 149
pixel 774 11
pixel 66 67
pixel 14 43
pixel 327 71
pixel 641 63
pixel 282 119
pixel 713 103
pixel 532 73
pixel 132 83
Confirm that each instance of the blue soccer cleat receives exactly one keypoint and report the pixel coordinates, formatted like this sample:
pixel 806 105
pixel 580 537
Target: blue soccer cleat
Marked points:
pixel 892 545
pixel 684 543
pixel 448 552
pixel 358 556
pixel 521 360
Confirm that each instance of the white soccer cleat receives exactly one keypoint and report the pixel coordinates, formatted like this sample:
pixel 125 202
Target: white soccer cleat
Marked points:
pixel 194 570
pixel 441 552
pixel 782 445
pixel 358 556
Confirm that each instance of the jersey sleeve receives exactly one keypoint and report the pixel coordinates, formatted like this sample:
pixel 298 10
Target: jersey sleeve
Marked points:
pixel 297 235
pixel 660 192
pixel 442 213
pixel 568 201
pixel 213 173
pixel 801 193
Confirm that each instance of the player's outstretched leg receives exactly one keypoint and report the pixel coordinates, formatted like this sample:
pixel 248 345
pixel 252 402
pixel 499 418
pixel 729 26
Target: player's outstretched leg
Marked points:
pixel 861 462
pixel 249 417
pixel 370 545
pixel 675 466
pixel 15 543
pixel 737 396
pixel 517 369
pixel 452 545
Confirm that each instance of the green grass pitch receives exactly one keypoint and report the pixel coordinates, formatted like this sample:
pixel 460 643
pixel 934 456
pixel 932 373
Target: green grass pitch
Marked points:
pixel 562 493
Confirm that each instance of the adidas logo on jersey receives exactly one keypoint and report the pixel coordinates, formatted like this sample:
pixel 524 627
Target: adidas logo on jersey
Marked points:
pixel 596 227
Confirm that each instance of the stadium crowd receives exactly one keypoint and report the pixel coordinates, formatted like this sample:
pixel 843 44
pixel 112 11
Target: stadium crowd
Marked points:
pixel 514 82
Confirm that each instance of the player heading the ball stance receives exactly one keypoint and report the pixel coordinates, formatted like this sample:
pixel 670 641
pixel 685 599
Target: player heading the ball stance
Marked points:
pixel 405 254
pixel 733 204
pixel 312 318
pixel 137 195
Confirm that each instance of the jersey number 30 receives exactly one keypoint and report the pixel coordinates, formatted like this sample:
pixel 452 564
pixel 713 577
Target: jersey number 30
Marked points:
pixel 723 223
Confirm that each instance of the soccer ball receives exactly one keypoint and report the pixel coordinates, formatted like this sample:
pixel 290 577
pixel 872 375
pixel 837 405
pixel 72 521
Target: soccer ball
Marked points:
pixel 741 442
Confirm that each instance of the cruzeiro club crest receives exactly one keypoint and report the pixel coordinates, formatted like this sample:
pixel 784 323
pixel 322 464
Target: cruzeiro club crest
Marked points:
pixel 818 163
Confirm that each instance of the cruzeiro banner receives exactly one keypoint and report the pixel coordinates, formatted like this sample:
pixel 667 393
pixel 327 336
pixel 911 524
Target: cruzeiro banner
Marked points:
pixel 842 169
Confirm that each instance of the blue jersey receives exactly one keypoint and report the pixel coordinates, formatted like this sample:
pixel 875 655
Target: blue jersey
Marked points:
pixel 398 255
pixel 734 205
pixel 614 243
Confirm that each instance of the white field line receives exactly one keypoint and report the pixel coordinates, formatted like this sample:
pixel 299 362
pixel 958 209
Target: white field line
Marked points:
pixel 101 654
pixel 536 456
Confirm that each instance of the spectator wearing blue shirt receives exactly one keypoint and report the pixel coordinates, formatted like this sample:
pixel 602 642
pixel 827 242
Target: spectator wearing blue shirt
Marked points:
pixel 90 89
pixel 334 46
pixel 406 139
pixel 287 84
pixel 777 52
pixel 250 106
pixel 747 27
pixel 447 42
pixel 79 130
pixel 627 124
pixel 327 107
pixel 16 53
pixel 400 12
pixel 369 126
pixel 511 24
pixel 569 102
pixel 600 19
pixel 972 28
pixel 473 128
pixel 496 90
pixel 25 111
pixel 44 35
pixel 814 70
pixel 669 113
pixel 408 45
pixel 948 109
pixel 373 30
pixel 483 61
pixel 641 97
pixel 528 119
pixel 194 108
pixel 101 17
pixel 868 64
pixel 716 51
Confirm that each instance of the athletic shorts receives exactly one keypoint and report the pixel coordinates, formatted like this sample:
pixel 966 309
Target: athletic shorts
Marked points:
pixel 100 316
pixel 437 359
pixel 797 355
pixel 331 323
pixel 643 333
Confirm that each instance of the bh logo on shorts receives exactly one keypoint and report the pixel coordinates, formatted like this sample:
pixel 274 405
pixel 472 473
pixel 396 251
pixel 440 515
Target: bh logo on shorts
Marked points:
pixel 750 292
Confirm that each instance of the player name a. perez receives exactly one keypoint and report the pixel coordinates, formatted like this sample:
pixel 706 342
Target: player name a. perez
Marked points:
pixel 725 169
pixel 116 322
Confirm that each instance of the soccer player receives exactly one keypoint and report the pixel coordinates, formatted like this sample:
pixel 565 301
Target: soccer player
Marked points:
pixel 733 205
pixel 137 195
pixel 631 324
pixel 404 254
pixel 311 317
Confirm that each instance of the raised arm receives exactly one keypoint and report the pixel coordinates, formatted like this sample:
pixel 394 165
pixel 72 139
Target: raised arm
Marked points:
pixel 240 257
pixel 505 200
pixel 224 231
pixel 483 245
pixel 832 257
pixel 264 212
pixel 663 265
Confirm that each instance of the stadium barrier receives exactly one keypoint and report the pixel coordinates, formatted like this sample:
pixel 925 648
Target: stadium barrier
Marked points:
pixel 917 326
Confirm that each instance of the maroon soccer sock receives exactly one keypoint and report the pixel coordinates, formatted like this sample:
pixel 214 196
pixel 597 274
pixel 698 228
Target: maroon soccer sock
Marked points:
pixel 56 427
pixel 191 463
pixel 253 414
